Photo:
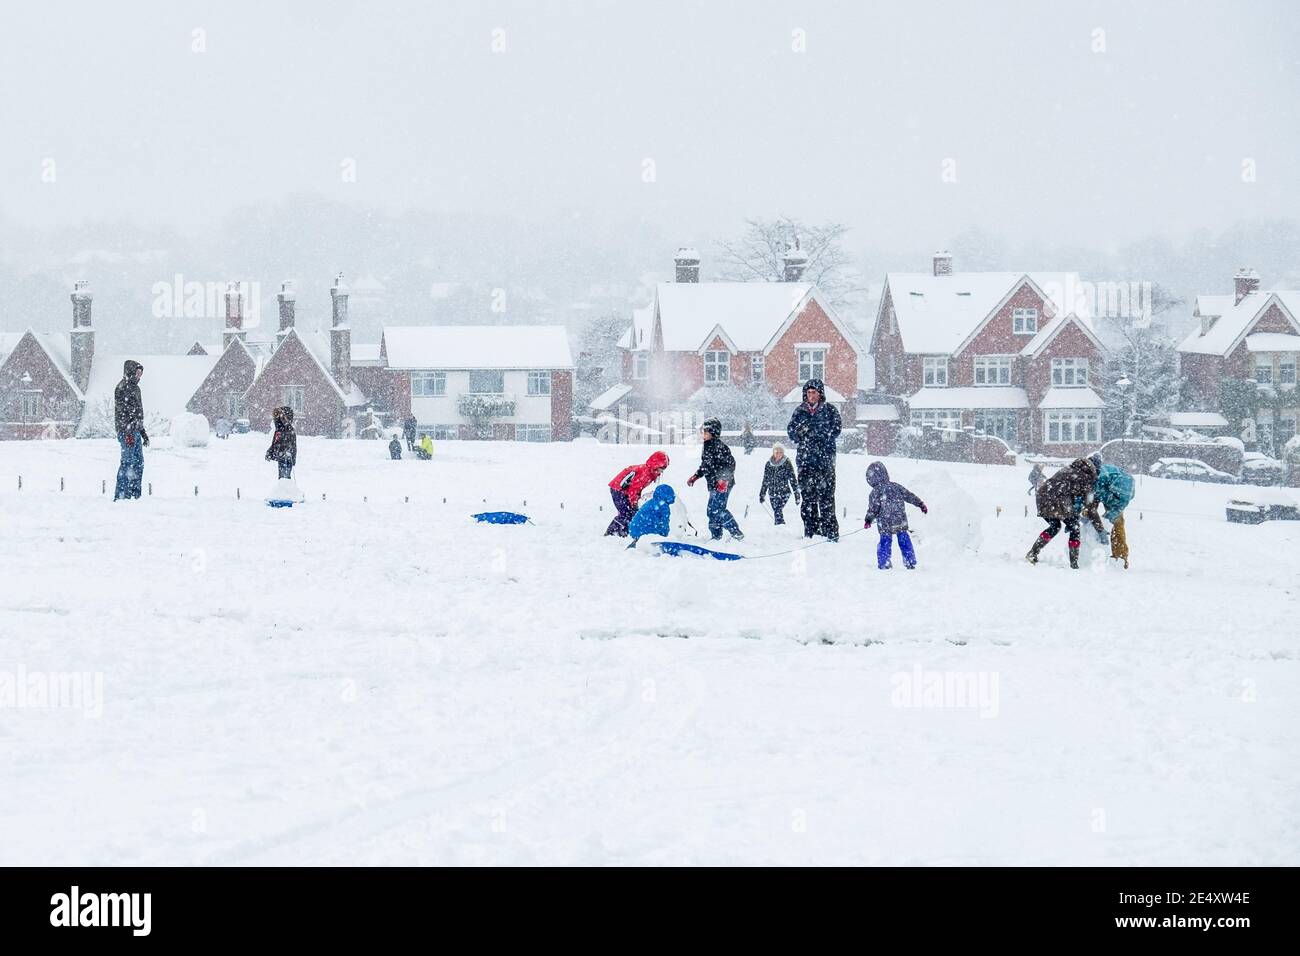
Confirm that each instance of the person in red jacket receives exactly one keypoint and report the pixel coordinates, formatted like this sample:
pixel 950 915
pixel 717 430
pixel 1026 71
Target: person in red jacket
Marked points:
pixel 626 490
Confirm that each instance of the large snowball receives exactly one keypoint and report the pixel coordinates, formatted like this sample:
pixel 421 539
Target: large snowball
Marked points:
pixel 953 525
pixel 189 430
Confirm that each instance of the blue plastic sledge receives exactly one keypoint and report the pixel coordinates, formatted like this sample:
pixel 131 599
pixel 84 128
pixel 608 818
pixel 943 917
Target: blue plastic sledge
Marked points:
pixel 280 504
pixel 677 548
pixel 501 517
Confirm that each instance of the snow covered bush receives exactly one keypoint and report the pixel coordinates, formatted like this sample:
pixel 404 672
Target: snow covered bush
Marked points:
pixel 97 421
pixel 189 431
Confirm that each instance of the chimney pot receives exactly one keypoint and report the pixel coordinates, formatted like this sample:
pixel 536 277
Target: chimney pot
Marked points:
pixel 943 263
pixel 795 261
pixel 1244 283
pixel 82 339
pixel 687 261
pixel 288 303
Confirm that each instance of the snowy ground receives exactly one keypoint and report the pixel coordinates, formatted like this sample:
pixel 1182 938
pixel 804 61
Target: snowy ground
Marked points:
pixel 381 681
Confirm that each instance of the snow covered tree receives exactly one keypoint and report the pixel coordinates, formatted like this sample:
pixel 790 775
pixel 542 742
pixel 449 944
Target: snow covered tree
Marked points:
pixel 1141 379
pixel 599 361
pixel 758 255
pixel 738 405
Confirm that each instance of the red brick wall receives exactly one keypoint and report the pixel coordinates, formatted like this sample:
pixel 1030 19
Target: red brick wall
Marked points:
pixel 1240 363
pixel 561 406
pixel 1203 372
pixel 59 401
pixel 232 375
pixel 1070 342
pixel 886 342
pixel 293 365
pixel 388 389
pixel 812 325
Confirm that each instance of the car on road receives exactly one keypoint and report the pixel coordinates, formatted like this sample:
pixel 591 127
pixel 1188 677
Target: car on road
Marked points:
pixel 1190 469
pixel 1259 469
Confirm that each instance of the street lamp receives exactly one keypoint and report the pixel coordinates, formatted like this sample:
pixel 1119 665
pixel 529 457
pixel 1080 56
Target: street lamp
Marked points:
pixel 1123 384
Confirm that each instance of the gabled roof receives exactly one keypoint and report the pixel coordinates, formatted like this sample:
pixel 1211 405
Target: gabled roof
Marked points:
pixel 1054 327
pixel 938 315
pixel 317 345
pixel 610 397
pixel 1235 322
pixel 168 383
pixel 750 312
pixel 477 346
pixel 640 334
pixel 57 347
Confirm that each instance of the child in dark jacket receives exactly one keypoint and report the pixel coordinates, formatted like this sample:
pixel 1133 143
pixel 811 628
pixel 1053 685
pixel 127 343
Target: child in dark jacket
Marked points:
pixel 718 469
pixel 778 482
pixel 284 446
pixel 888 507
pixel 626 487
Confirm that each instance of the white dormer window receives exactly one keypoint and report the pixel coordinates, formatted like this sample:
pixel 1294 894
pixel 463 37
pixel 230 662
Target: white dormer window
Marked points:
pixel 1068 372
pixel 934 369
pixel 1024 321
pixel 640 365
pixel 717 368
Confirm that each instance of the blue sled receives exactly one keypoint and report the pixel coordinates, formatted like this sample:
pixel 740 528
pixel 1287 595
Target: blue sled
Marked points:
pixel 281 504
pixel 676 548
pixel 501 517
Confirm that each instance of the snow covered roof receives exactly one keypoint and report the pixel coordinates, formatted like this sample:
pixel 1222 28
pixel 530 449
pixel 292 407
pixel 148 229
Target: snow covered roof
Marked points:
pixel 937 314
pixel 877 413
pixel 477 346
pixel 1073 397
pixel 366 353
pixel 795 396
pixel 640 334
pixel 972 396
pixel 1272 342
pixel 610 397
pixel 318 347
pixel 168 383
pixel 1197 420
pixel 56 345
pixel 749 312
pixel 1214 304
pixel 1235 321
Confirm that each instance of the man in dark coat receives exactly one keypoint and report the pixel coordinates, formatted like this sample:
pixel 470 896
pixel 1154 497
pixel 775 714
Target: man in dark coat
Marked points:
pixel 395 449
pixel 284 445
pixel 887 508
pixel 813 428
pixel 747 439
pixel 778 482
pixel 408 428
pixel 1056 505
pixel 718 469
pixel 128 422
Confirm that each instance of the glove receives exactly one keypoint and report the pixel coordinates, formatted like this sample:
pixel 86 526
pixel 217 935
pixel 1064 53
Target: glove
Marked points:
pixel 144 437
pixel 722 486
pixel 866 524
pixel 130 438
pixel 691 480
pixel 760 499
pixel 924 510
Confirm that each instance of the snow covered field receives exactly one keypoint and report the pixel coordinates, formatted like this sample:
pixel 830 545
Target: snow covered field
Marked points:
pixel 381 681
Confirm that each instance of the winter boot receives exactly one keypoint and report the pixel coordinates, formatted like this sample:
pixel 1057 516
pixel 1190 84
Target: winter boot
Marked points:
pixel 1039 544
pixel 1074 553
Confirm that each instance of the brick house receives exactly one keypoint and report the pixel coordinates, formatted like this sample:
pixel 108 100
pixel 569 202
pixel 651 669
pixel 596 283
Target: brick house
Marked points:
pixel 1252 336
pixel 511 383
pixel 695 336
pixel 1006 354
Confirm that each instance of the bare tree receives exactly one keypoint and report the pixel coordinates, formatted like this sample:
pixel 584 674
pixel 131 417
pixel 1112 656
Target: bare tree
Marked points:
pixel 758 255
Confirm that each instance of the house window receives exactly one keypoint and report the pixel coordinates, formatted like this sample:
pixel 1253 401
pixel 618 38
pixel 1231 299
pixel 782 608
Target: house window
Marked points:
pixel 640 365
pixel 440 432
pixel 1024 321
pixel 539 383
pixel 993 370
pixel 29 406
pixel 294 396
pixel 428 384
pixel 532 433
pixel 234 407
pixel 487 382
pixel 1000 423
pixel 1072 426
pixel 1285 429
pixel 812 364
pixel 934 370
pixel 757 369
pixel 946 419
pixel 1286 368
pixel 717 368
pixel 1264 368
pixel 1069 371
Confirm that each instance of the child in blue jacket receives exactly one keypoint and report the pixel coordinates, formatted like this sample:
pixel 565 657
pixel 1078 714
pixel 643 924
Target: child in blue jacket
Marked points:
pixel 655 516
pixel 888 507
pixel 1112 490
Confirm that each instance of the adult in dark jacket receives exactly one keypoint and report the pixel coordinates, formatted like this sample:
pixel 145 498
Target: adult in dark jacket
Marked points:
pixel 128 422
pixel 1056 505
pixel 887 508
pixel 408 429
pixel 813 428
pixel 747 439
pixel 778 482
pixel 718 469
pixel 284 444
pixel 395 449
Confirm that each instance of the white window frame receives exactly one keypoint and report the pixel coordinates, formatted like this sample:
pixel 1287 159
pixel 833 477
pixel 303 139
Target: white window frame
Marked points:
pixel 934 371
pixel 1006 423
pixel 717 367
pixel 1071 426
pixel 533 433
pixel 1024 321
pixel 539 383
pixel 1069 372
pixel 640 365
pixel 1263 368
pixel 811 361
pixel 996 370
pixel 948 419
pixel 294 397
pixel 1285 361
pixel 758 369
pixel 428 384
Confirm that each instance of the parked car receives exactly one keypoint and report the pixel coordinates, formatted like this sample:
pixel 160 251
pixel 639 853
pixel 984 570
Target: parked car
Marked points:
pixel 1259 469
pixel 1256 507
pixel 1190 469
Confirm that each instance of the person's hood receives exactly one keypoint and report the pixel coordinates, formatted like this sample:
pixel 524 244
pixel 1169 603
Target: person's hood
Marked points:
pixel 877 474
pixel 665 494
pixel 817 384
pixel 282 415
pixel 129 368
pixel 1086 466
pixel 657 461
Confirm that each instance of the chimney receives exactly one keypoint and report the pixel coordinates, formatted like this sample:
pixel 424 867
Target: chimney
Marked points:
pixel 288 300
pixel 234 315
pixel 340 335
pixel 1245 281
pixel 943 263
pixel 688 264
pixel 795 261
pixel 83 336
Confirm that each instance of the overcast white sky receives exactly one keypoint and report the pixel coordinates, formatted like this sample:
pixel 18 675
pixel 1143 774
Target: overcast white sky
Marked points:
pixel 1049 138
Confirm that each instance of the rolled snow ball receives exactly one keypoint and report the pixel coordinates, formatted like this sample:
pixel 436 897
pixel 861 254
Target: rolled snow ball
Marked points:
pixel 189 430
pixel 954 524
